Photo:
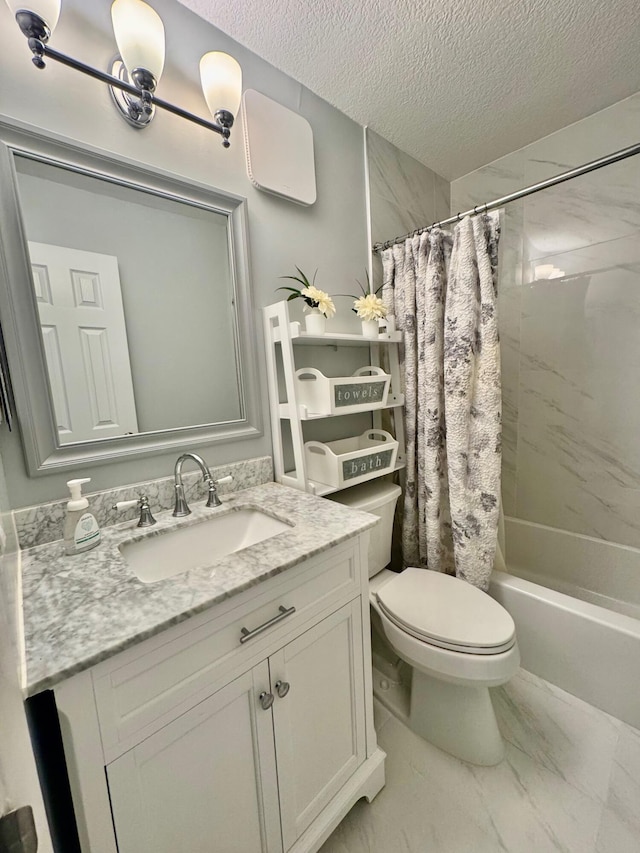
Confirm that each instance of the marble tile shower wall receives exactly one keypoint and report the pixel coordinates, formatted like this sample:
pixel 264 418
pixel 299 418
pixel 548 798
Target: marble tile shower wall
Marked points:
pixel 37 525
pixel 570 345
pixel 404 194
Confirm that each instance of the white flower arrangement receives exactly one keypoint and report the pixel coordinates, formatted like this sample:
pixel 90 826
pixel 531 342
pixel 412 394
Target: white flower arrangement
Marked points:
pixel 313 297
pixel 369 307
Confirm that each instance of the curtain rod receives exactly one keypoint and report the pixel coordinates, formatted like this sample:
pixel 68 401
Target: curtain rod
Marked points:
pixel 534 188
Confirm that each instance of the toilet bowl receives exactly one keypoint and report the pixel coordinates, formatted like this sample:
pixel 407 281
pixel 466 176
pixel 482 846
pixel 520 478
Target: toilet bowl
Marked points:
pixel 457 640
pixel 459 643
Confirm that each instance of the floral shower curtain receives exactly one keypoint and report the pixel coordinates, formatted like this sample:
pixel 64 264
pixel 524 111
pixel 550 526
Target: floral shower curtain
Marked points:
pixel 442 288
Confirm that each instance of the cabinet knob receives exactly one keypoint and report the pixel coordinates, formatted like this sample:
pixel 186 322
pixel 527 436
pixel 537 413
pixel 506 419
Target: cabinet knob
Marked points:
pixel 282 688
pixel 266 700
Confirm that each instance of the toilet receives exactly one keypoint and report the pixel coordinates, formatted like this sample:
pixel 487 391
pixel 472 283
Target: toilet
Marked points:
pixel 439 643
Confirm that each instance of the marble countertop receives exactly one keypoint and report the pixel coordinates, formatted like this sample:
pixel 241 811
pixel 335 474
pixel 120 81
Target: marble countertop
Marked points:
pixel 82 609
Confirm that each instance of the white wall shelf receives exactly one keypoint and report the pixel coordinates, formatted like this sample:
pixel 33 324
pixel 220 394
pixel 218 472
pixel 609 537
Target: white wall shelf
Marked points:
pixel 305 415
pixel 299 336
pixel 320 490
pixel 281 339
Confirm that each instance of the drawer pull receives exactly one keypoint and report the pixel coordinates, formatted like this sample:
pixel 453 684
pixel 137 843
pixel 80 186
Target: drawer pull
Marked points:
pixel 266 700
pixel 282 688
pixel 283 612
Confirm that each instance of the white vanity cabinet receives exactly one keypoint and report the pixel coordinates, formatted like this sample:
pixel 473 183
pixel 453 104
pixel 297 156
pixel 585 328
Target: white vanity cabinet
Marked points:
pixel 193 740
pixel 206 781
pixel 319 725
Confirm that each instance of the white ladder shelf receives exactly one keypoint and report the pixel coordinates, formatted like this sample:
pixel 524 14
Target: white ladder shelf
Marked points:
pixel 280 331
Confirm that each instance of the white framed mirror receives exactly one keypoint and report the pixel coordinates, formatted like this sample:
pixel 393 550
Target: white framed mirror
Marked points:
pixel 125 307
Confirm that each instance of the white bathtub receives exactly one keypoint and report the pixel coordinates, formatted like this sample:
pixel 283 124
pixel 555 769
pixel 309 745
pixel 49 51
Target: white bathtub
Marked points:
pixel 555 590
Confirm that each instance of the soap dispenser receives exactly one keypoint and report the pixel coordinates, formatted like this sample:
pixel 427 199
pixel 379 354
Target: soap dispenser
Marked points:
pixel 81 530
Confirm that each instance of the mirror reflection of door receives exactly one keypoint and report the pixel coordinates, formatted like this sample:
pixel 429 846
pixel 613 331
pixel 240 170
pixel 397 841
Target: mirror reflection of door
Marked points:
pixel 85 342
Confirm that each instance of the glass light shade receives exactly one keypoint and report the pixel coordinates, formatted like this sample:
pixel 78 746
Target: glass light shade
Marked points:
pixel 139 33
pixel 48 10
pixel 221 78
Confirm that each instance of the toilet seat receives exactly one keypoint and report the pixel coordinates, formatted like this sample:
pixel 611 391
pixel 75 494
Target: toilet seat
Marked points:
pixel 446 612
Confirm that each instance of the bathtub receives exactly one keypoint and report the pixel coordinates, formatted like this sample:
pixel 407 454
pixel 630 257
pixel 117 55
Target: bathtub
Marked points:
pixel 575 601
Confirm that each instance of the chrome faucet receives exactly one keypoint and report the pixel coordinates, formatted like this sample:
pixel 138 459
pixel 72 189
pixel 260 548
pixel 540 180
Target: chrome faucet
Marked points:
pixel 181 507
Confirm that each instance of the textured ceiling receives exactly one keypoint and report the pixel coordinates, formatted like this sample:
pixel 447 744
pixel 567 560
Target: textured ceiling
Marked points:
pixel 455 83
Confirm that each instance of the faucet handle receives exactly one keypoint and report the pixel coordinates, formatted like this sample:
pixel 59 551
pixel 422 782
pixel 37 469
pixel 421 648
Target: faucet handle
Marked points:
pixel 212 498
pixel 146 518
pixel 122 505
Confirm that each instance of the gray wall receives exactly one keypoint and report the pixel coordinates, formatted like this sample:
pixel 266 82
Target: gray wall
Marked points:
pixel 174 276
pixel 330 235
pixel 18 779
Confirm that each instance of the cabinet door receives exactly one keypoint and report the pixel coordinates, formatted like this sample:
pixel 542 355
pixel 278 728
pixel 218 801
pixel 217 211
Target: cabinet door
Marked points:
pixel 205 782
pixel 319 723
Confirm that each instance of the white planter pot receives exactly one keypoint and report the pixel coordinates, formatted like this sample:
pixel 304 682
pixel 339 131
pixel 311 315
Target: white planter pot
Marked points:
pixel 315 322
pixel 370 329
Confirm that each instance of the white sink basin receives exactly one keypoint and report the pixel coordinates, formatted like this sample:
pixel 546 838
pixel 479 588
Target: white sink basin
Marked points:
pixel 175 551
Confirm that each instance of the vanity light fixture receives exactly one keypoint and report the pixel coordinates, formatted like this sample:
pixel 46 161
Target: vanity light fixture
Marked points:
pixel 135 72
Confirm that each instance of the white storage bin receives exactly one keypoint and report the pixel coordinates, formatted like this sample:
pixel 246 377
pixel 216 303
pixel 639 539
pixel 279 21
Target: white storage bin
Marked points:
pixel 366 390
pixel 351 460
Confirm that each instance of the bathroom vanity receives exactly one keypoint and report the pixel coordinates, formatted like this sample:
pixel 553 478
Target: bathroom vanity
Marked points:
pixel 227 708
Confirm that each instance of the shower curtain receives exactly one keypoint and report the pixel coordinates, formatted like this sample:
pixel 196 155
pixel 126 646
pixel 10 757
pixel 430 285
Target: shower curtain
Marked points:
pixel 442 289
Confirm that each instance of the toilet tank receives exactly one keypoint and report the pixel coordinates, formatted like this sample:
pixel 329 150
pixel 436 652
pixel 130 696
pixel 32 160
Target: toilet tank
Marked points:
pixel 379 498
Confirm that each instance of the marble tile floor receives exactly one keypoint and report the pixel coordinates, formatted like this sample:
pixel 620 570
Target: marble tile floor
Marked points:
pixel 570 782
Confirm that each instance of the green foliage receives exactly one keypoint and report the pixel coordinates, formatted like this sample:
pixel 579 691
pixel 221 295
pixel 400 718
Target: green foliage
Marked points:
pixel 301 279
pixel 295 292
pixel 365 290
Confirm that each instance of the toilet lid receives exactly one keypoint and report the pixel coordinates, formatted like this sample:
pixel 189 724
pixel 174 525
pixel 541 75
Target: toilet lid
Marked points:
pixel 447 612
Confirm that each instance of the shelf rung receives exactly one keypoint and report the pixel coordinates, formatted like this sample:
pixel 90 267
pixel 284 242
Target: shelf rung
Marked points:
pixel 313 486
pixel 285 413
pixel 298 335
pixel 285 410
pixel 322 489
